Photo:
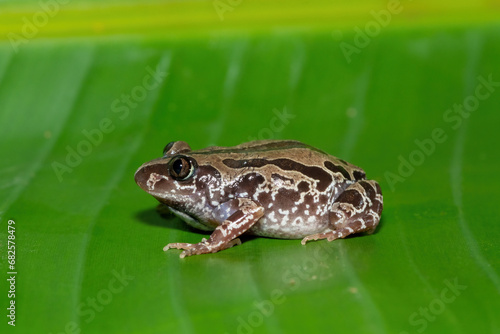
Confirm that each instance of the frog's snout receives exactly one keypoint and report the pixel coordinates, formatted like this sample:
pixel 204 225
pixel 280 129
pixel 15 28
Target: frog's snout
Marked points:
pixel 141 178
pixel 151 178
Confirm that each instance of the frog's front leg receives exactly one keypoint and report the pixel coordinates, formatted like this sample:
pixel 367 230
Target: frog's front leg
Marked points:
pixel 226 234
pixel 356 210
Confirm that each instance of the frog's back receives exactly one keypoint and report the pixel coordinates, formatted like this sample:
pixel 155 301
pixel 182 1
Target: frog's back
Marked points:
pixel 285 154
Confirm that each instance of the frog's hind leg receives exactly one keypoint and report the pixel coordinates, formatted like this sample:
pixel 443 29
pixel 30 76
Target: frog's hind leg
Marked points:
pixel 356 210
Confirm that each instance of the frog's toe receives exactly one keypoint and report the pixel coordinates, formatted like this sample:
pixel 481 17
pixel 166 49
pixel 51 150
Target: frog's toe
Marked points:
pixel 184 254
pixel 191 249
pixel 197 249
pixel 329 235
pixel 177 245
pixel 234 242
pixel 311 237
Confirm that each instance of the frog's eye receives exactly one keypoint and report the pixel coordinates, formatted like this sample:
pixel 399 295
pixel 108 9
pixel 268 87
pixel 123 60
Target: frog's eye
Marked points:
pixel 181 168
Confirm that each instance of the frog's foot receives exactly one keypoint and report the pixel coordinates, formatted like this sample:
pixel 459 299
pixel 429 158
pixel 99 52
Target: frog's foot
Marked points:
pixel 329 235
pixel 356 210
pixel 225 235
pixel 203 247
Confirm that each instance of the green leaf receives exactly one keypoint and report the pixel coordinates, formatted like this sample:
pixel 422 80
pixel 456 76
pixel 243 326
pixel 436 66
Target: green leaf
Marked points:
pixel 101 88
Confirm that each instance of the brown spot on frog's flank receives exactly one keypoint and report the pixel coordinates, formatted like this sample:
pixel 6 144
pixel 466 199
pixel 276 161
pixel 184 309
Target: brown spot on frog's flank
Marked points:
pixel 303 186
pixel 359 175
pixel 264 198
pixel 353 197
pixel 370 192
pixel 288 195
pixel 338 169
pixel 309 200
pixel 247 183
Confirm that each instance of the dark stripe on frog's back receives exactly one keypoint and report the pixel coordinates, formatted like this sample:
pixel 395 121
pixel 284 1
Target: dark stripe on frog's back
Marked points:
pixel 313 172
pixel 349 171
pixel 257 146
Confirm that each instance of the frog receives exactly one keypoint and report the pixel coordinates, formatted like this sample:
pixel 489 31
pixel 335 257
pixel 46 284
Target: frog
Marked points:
pixel 281 189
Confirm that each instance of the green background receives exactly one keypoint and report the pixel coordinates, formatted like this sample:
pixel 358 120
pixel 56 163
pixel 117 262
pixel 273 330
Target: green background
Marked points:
pixel 89 242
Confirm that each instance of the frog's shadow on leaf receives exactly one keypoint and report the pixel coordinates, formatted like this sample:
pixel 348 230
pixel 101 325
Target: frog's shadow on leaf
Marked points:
pixel 154 217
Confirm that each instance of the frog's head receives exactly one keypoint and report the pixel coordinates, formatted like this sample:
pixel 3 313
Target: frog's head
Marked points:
pixel 174 178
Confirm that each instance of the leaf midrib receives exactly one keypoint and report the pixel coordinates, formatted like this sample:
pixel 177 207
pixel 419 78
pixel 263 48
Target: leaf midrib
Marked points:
pixel 173 19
